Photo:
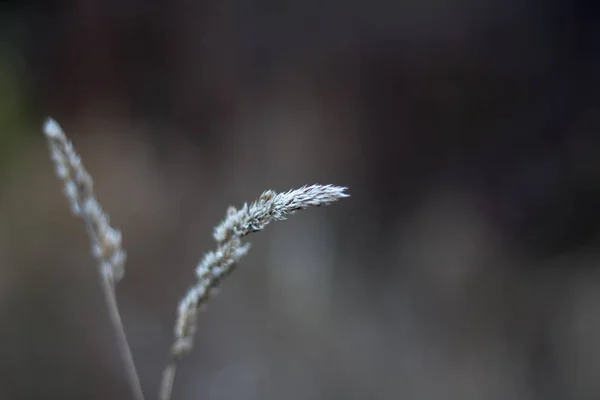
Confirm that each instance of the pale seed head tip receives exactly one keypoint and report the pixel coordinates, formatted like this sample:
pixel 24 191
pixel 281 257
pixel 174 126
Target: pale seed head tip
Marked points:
pixel 51 128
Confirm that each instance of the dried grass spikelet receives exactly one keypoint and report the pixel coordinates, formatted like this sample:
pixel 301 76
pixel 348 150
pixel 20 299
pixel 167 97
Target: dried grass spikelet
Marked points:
pixel 215 265
pixel 79 190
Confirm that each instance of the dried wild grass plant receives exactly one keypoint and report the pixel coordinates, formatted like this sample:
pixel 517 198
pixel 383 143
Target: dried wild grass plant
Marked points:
pixel 105 240
pixel 210 271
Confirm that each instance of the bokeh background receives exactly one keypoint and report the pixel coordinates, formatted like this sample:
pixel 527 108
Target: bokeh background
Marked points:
pixel 464 266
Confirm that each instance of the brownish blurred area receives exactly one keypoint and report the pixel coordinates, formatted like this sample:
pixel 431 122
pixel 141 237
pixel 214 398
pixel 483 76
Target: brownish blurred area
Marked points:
pixel 463 266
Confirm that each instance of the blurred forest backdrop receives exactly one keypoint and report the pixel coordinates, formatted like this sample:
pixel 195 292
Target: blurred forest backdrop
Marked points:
pixel 464 266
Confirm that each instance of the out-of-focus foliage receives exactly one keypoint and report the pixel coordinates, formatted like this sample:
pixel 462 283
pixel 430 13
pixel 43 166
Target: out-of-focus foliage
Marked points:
pixel 13 113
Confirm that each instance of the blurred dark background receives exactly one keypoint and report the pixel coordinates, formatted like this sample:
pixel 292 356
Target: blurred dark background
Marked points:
pixel 464 266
